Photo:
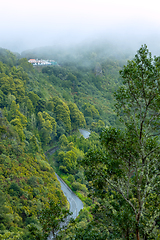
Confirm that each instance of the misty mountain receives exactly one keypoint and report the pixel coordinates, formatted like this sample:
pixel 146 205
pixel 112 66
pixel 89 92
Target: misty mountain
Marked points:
pixel 84 54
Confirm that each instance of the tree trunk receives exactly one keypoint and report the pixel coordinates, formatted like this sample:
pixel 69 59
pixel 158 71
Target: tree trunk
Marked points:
pixel 127 234
pixel 137 233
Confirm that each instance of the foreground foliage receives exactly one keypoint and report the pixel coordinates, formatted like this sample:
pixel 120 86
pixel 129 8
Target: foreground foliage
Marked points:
pixel 52 218
pixel 127 175
pixel 42 107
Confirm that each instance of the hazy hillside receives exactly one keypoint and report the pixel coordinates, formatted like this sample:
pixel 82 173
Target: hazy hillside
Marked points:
pixel 86 74
pixel 39 107
pixel 42 107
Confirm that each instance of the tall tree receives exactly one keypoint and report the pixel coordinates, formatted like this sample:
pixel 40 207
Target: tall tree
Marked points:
pixel 63 114
pixel 47 126
pixel 52 218
pixel 130 165
pixel 77 117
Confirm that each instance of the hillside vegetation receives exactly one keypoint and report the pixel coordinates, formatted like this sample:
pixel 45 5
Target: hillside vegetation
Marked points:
pixel 85 75
pixel 28 182
pixel 43 107
pixel 39 108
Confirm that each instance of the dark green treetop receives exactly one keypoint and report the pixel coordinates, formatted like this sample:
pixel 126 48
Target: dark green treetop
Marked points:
pixel 130 166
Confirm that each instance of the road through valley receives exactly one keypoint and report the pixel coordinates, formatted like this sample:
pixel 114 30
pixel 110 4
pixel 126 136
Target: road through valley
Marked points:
pixel 75 203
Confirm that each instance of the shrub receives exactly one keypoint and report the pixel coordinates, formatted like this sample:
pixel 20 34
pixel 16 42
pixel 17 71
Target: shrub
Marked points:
pixel 63 169
pixel 76 186
pixel 15 190
pixel 71 178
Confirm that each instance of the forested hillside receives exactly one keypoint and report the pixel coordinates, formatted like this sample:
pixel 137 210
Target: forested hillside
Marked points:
pixel 85 75
pixel 115 171
pixel 39 108
pixel 28 182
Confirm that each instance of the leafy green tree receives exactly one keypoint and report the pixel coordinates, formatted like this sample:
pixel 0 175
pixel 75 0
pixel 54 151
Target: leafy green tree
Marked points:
pixel 33 144
pixel 2 67
pixel 15 113
pixel 61 155
pixel 50 106
pixel 15 190
pixel 2 99
pixel 34 232
pixel 19 90
pixel 13 108
pixel 16 122
pixel 7 84
pixel 18 73
pixel 97 126
pixel 3 209
pixel 70 161
pixel 89 110
pixel 61 129
pixel 56 100
pixel 7 57
pixel 71 178
pixel 131 164
pixel 41 105
pixel 10 98
pixel 71 77
pixel 91 231
pixel 28 67
pixel 77 117
pixel 47 126
pixel 51 218
pixel 63 141
pixel 27 107
pixel 11 235
pixel 63 114
pixel 34 98
pixel 47 117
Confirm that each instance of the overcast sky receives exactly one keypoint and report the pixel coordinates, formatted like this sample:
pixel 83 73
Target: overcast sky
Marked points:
pixel 28 24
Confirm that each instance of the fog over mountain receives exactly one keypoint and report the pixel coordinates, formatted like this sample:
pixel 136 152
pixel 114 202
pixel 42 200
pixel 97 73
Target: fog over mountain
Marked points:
pixel 34 23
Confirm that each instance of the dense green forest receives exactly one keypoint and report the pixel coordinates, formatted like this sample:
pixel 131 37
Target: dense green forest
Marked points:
pixel 88 74
pixel 115 171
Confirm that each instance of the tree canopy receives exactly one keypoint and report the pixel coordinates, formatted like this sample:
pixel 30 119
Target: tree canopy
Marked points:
pixel 43 107
pixel 128 168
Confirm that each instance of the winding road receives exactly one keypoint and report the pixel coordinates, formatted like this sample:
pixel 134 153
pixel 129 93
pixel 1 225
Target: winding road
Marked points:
pixel 85 133
pixel 75 203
